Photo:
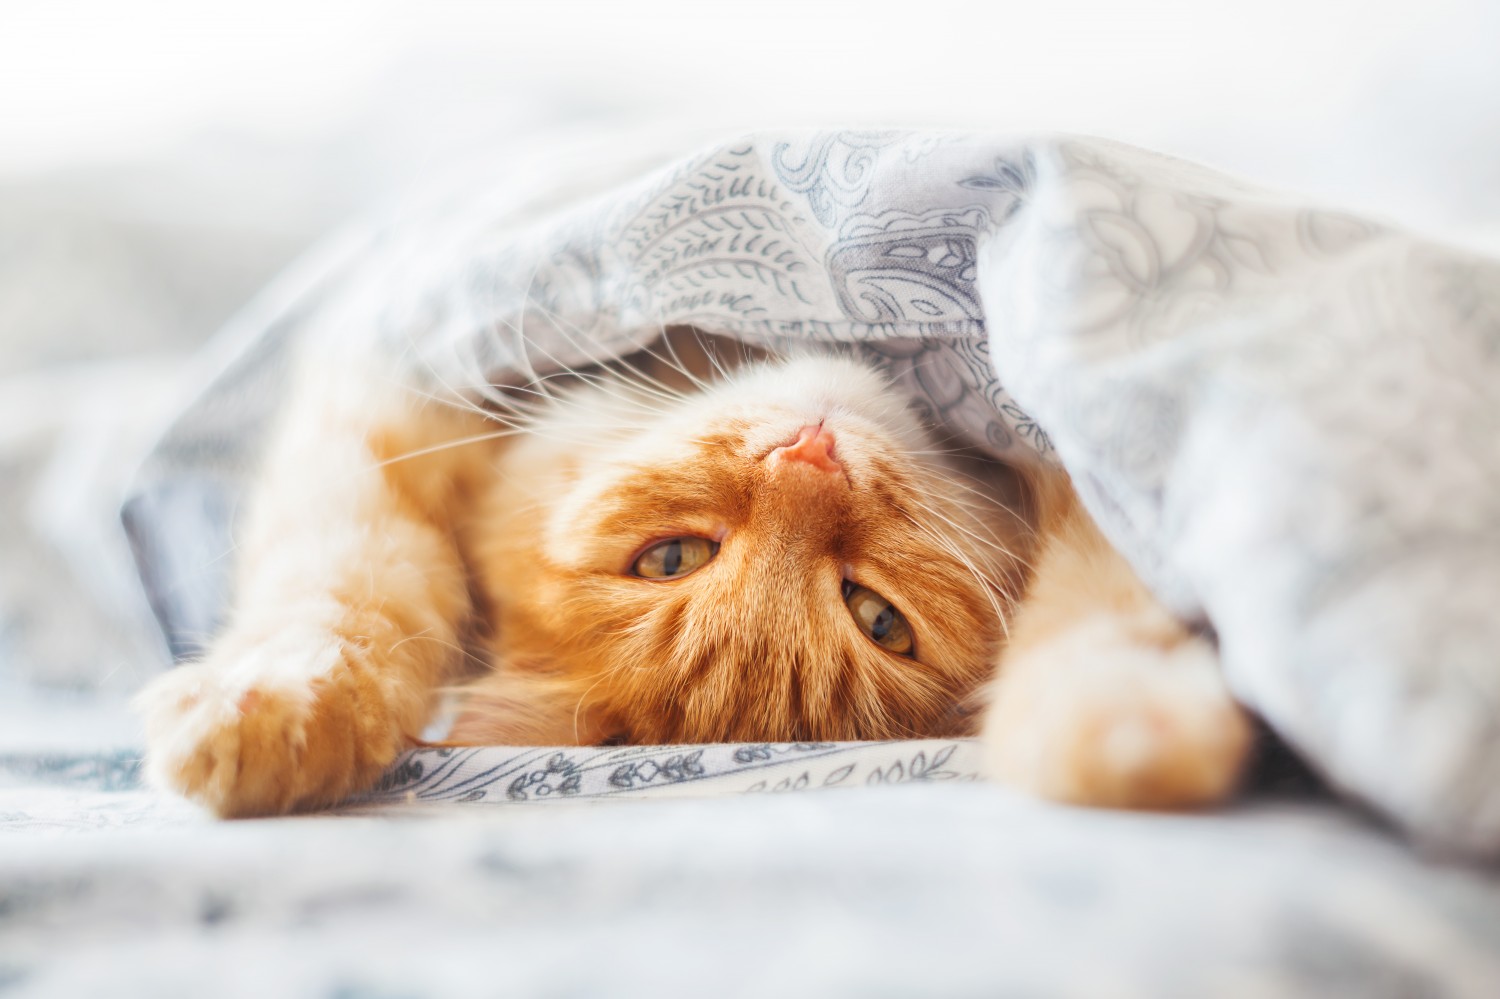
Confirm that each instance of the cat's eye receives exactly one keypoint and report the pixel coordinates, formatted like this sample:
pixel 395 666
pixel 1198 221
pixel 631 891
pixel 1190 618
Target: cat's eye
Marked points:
pixel 878 618
pixel 673 558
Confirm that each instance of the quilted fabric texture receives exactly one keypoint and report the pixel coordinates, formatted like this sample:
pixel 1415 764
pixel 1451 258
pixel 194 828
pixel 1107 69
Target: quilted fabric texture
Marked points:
pixel 1287 418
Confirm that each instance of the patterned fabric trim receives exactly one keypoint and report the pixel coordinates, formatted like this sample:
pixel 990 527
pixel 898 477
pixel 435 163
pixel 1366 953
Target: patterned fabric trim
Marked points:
pixel 514 774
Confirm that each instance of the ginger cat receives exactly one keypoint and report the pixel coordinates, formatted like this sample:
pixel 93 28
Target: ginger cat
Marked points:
pixel 675 552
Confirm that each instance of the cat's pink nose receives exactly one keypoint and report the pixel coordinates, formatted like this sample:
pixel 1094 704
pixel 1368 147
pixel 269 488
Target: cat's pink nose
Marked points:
pixel 814 446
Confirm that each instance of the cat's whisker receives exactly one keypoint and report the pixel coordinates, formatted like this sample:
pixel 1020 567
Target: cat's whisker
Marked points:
pixel 978 502
pixel 672 362
pixel 682 368
pixel 641 384
pixel 970 485
pixel 980 523
pixel 537 384
pixel 577 399
pixel 991 542
pixel 513 426
pixel 988 586
pixel 448 445
pixel 460 402
pixel 571 401
pixel 453 646
pixel 967 496
pixel 709 350
pixel 983 532
pixel 523 344
pixel 643 379
pixel 460 399
pixel 578 707
pixel 600 382
pixel 992 589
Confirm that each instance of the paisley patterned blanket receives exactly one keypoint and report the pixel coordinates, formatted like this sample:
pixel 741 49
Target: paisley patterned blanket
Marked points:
pixel 1284 415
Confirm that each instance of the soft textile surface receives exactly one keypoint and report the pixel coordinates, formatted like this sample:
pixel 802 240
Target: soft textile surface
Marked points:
pixel 1285 416
pixel 941 888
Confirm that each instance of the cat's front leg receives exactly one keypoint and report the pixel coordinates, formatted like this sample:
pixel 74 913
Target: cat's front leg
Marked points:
pixel 292 721
pixel 1103 697
pixel 348 606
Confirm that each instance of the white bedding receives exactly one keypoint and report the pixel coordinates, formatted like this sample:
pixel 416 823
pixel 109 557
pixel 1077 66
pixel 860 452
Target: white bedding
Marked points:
pixel 922 888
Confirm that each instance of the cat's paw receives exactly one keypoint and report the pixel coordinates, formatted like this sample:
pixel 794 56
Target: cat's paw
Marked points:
pixel 1106 716
pixel 268 729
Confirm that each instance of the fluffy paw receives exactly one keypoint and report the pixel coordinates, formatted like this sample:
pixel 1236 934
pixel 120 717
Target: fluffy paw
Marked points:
pixel 1104 716
pixel 268 729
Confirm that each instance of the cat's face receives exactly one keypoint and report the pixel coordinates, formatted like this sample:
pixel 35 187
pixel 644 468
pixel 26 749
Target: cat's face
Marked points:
pixel 783 555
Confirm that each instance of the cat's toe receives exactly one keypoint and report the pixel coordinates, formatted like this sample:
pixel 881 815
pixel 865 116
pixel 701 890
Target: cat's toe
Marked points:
pixel 1099 717
pixel 192 736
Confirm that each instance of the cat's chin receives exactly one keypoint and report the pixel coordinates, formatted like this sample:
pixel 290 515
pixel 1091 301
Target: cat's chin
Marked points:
pixel 787 397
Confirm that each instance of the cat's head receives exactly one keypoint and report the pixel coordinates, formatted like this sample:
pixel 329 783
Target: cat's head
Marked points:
pixel 780 555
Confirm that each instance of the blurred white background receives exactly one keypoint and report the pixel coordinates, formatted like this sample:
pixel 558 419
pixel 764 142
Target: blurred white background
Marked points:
pixel 189 122
pixel 161 159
